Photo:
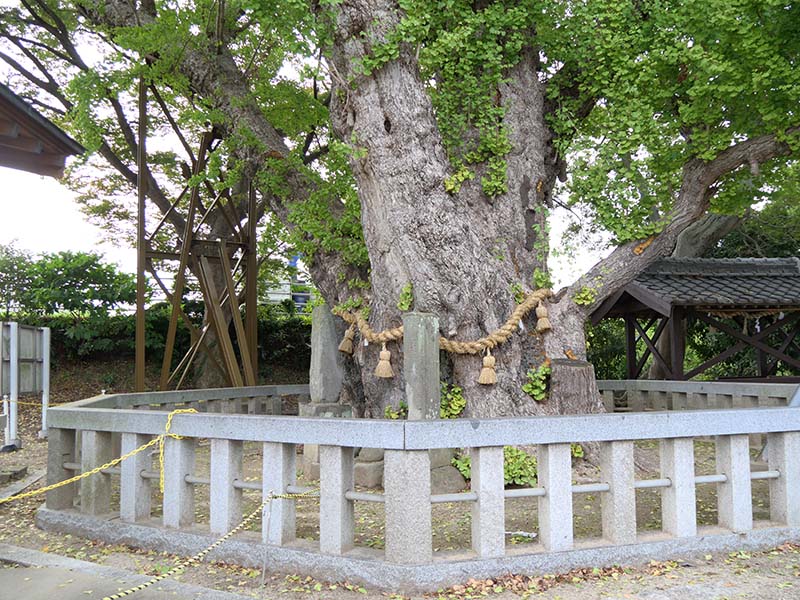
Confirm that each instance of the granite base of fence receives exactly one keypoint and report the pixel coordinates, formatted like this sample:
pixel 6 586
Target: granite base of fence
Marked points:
pixel 127 510
pixel 368 567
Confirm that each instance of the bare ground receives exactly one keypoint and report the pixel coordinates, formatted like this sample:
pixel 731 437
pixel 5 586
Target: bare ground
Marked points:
pixel 770 574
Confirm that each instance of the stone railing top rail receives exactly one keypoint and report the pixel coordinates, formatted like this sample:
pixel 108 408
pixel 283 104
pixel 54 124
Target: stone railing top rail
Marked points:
pixel 420 435
pixel 701 387
pixel 201 395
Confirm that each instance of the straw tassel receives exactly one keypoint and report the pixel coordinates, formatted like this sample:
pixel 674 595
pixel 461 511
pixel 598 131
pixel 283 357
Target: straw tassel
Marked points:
pixel 384 368
pixel 488 375
pixel 347 342
pixel 542 323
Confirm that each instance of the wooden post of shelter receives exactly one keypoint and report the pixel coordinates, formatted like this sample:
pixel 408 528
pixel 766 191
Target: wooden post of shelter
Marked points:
pixel 677 328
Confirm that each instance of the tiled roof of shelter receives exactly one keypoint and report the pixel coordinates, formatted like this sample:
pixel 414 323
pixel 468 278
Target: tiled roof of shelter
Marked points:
pixel 29 141
pixel 741 282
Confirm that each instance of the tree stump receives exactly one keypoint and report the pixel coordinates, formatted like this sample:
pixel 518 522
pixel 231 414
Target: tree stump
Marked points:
pixel 573 388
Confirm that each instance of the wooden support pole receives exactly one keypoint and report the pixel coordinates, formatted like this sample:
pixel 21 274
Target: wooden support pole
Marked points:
pixel 141 284
pixel 233 300
pixel 197 337
pixel 180 276
pixel 251 285
pixel 220 324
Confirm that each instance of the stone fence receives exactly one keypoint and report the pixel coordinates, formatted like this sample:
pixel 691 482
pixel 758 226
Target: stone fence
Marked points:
pixel 119 505
pixel 637 395
pixel 262 399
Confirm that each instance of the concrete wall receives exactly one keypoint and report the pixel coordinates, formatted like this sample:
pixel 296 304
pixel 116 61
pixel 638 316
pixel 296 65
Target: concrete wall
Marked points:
pixel 634 395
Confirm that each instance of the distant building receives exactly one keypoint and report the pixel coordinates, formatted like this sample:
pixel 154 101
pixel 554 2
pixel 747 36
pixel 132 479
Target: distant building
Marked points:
pixel 298 289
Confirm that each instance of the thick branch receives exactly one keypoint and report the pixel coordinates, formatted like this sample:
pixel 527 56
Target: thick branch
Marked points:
pixel 697 188
pixel 36 43
pixel 23 71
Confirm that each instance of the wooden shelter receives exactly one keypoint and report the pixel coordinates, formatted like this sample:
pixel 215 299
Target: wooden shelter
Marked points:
pixel 29 141
pixel 721 293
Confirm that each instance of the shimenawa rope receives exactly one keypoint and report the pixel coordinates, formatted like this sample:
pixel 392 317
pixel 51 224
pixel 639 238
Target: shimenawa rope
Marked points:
pixel 485 344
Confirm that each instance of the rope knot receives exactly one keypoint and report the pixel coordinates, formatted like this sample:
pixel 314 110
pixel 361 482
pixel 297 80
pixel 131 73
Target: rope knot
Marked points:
pixel 488 375
pixel 167 433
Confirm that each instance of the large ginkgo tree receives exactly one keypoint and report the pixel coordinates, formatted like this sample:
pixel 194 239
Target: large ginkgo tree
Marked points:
pixel 414 149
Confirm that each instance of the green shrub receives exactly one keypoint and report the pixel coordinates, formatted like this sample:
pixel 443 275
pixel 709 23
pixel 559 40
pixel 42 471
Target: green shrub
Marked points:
pixel 399 413
pixel 519 467
pixel 452 401
pixel 284 337
pixel 538 381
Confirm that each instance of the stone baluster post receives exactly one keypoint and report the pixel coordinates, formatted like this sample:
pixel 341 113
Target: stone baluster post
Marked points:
pixel 96 450
pixel 179 461
pixel 408 506
pixel 618 505
pixel 784 492
pixel 554 471
pixel 135 491
pixel 226 500
pixel 60 449
pixel 488 512
pixel 279 472
pixel 336 516
pixel 678 508
pixel 734 497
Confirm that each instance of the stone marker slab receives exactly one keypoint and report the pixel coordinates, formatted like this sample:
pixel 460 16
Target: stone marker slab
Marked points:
pixel 421 365
pixel 327 369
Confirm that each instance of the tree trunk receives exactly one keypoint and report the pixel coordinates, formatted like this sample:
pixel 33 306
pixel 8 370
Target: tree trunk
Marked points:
pixel 463 253
pixel 573 388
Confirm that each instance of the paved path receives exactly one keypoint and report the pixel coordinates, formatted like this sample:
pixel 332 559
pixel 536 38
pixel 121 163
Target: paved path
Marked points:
pixel 65 584
pixel 34 575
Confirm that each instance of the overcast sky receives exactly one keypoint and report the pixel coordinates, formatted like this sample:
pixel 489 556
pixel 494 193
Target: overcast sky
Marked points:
pixel 42 216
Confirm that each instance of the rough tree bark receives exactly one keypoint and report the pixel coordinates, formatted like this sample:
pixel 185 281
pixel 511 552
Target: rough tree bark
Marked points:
pixel 461 252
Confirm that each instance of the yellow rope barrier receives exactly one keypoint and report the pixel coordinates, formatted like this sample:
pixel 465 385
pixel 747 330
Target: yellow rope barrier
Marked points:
pixel 197 558
pixel 165 435
pixel 108 465
pixel 193 560
pixel 23 403
pixel 113 463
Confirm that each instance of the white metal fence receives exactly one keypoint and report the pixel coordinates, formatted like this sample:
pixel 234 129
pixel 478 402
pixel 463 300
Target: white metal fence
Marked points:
pixel 24 369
